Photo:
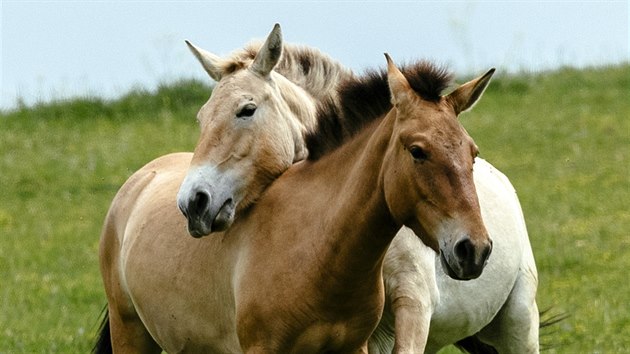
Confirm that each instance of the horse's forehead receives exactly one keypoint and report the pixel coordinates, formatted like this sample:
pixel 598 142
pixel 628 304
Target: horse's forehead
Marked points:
pixel 242 82
pixel 230 92
pixel 435 118
pixel 440 126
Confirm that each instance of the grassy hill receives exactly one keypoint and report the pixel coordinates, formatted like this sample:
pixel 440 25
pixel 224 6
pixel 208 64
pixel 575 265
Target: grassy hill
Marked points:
pixel 563 138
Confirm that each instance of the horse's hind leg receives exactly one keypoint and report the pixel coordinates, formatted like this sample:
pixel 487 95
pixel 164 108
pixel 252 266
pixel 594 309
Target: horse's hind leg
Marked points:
pixel 128 333
pixel 130 336
pixel 515 328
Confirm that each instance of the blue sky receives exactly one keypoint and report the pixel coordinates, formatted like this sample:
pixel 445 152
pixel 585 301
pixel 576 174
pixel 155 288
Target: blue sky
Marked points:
pixel 58 49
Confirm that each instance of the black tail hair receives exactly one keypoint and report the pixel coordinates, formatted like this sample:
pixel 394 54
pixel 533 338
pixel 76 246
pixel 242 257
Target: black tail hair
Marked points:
pixel 548 319
pixel 103 343
pixel 473 345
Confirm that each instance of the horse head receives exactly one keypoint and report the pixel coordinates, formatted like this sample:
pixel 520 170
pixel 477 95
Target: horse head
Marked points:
pixel 251 131
pixel 428 173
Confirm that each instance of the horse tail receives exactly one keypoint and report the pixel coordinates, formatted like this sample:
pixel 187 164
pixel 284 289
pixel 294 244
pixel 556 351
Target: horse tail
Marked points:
pixel 474 345
pixel 103 343
pixel 549 319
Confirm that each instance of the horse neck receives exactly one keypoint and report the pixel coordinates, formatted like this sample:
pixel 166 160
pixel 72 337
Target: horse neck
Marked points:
pixel 313 71
pixel 350 200
pixel 302 106
pixel 310 79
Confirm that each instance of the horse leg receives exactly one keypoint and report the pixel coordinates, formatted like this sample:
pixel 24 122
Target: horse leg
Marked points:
pixel 412 325
pixel 515 328
pixel 127 332
pixel 411 291
pixel 404 327
pixel 130 336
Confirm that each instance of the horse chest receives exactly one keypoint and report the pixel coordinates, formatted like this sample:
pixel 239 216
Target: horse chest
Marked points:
pixel 316 337
pixel 289 318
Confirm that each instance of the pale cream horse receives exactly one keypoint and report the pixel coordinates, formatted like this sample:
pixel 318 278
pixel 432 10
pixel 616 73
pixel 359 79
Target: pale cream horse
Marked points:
pixel 174 162
pixel 297 273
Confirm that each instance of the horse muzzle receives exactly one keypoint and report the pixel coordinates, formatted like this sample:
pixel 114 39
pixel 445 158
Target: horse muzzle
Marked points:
pixel 466 259
pixel 204 213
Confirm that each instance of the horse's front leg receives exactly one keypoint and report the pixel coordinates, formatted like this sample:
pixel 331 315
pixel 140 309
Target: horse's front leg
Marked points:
pixel 412 321
pixel 409 273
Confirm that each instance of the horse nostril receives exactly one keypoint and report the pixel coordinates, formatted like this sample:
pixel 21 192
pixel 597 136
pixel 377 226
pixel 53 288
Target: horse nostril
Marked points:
pixel 200 203
pixel 486 252
pixel 464 249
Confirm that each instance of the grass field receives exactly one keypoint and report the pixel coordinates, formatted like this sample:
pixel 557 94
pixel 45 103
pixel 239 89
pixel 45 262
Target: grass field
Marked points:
pixel 563 138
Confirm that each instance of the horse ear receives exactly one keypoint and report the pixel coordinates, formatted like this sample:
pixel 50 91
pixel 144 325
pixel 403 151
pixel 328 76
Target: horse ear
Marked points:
pixel 208 60
pixel 465 96
pixel 398 85
pixel 269 53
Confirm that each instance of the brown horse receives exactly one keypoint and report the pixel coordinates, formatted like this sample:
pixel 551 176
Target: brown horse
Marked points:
pixel 500 305
pixel 300 271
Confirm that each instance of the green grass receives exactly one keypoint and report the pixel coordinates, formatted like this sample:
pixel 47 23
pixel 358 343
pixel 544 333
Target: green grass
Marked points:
pixel 60 166
pixel 563 138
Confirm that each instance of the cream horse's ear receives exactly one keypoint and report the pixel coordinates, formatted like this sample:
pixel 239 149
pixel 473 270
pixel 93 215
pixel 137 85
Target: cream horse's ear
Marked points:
pixel 465 96
pixel 209 61
pixel 398 85
pixel 269 53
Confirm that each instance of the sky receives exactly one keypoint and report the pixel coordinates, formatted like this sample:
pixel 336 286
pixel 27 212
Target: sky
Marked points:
pixel 61 49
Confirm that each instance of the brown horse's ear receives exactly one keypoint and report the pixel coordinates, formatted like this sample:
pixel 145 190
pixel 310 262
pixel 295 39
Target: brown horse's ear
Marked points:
pixel 398 85
pixel 269 53
pixel 209 61
pixel 465 96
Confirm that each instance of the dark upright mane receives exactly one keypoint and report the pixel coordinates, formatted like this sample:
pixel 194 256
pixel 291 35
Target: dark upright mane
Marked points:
pixel 365 99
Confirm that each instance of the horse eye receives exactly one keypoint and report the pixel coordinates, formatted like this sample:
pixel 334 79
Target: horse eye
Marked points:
pixel 418 153
pixel 247 111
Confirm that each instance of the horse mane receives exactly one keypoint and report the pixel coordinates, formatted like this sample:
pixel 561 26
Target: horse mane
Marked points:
pixel 307 67
pixel 365 99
